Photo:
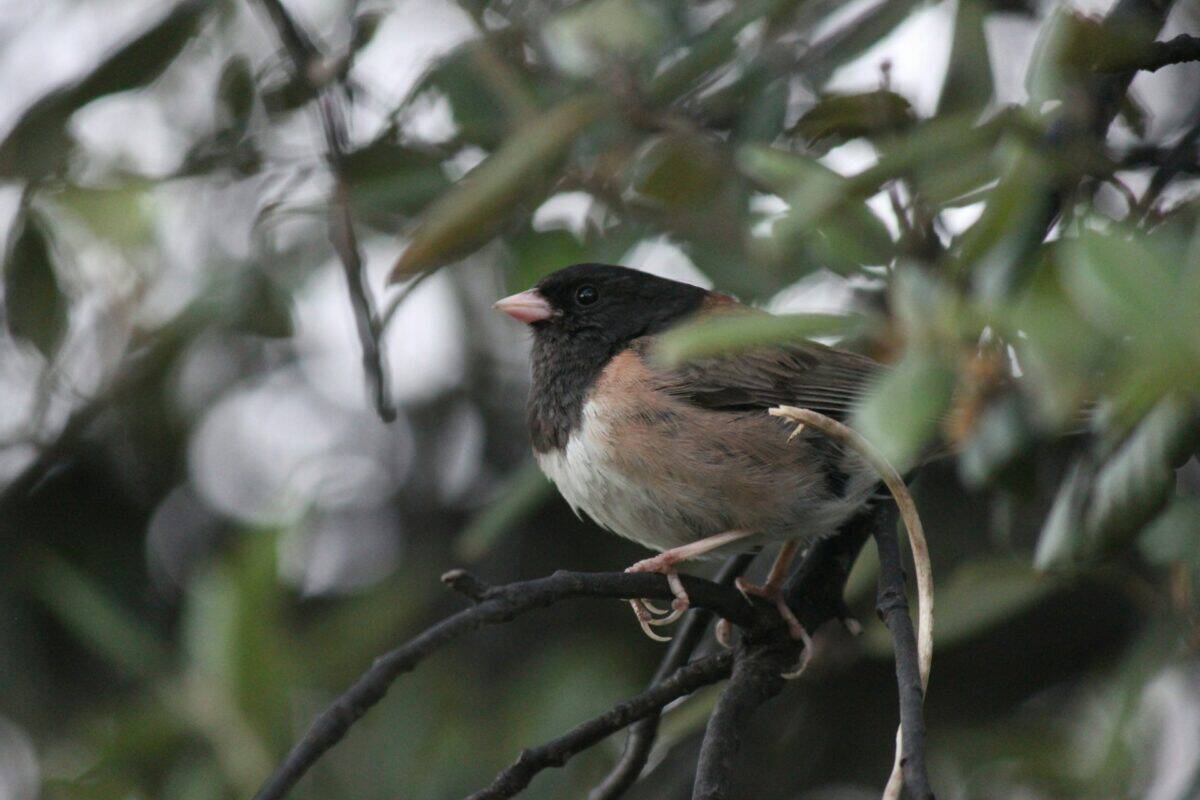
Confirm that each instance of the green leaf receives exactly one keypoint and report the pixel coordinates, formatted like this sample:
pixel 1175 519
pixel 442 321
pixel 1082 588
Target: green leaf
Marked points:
pixel 739 332
pixel 37 144
pixel 479 91
pixel 97 620
pixel 474 210
pixel 35 309
pixel 680 171
pixel 978 596
pixel 810 230
pixel 968 85
pixel 234 638
pixel 1135 483
pixel 588 36
pixel 997 441
pixel 1063 539
pixel 518 497
pixel 710 50
pixel 389 181
pixel 902 413
pixel 538 253
pixel 1172 537
pixel 1102 505
pixel 836 119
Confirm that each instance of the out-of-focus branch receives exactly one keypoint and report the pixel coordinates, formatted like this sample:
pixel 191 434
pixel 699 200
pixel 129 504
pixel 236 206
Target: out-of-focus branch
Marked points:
pixel 643 732
pixel 1155 55
pixel 646 705
pixel 496 605
pixel 309 64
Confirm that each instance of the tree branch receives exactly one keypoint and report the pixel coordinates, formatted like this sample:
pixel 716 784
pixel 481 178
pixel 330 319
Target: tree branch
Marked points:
pixel 757 677
pixel 892 607
pixel 497 605
pixel 643 732
pixel 1153 56
pixel 308 65
pixel 646 705
pixel 814 593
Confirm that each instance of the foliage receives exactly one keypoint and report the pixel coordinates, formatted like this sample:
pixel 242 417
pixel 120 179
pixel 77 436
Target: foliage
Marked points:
pixel 207 532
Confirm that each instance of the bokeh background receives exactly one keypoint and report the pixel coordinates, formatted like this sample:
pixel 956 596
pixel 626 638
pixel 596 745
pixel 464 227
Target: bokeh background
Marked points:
pixel 207 530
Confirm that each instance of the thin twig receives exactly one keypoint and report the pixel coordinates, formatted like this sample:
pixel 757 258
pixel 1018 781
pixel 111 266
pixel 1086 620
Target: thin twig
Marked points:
pixel 918 783
pixel 643 732
pixel 495 605
pixel 892 605
pixel 646 705
pixel 308 64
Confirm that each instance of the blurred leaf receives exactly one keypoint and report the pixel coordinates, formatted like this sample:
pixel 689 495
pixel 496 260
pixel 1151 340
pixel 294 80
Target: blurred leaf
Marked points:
pixel 587 36
pixel 119 212
pixel 35 309
pixel 978 596
pixel 735 333
pixel 1059 351
pixel 514 500
pixel 474 210
pixel 261 308
pixel 1154 300
pixel 680 171
pixel 389 180
pixel 996 250
pixel 710 50
pixel 1100 506
pixel 845 241
pixel 112 632
pixel 1171 538
pixel 1062 540
pixel 1135 483
pixel 968 85
pixel 998 440
pixel 535 254
pixel 480 84
pixel 364 28
pixel 854 38
pixel 836 119
pixel 36 145
pixel 235 95
pixel 762 118
pixel 902 413
pixel 234 640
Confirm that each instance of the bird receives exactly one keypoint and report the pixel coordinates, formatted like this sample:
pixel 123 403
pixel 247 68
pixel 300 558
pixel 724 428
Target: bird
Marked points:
pixel 684 458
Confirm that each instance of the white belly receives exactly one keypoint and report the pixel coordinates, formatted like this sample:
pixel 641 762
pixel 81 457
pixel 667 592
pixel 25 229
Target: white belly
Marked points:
pixel 593 483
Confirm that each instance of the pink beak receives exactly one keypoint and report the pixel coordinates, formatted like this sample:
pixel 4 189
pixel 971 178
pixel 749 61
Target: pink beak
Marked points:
pixel 528 307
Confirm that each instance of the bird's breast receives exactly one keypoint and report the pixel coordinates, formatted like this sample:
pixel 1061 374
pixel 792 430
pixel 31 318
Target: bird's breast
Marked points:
pixel 596 475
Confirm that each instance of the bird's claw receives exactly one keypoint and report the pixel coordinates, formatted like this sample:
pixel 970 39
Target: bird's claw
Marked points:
pixel 643 608
pixel 773 594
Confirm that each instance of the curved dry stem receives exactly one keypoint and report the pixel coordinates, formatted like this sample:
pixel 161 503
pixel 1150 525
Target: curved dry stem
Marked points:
pixel 916 538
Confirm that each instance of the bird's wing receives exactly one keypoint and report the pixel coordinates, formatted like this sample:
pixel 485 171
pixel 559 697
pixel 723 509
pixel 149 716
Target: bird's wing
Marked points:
pixel 809 375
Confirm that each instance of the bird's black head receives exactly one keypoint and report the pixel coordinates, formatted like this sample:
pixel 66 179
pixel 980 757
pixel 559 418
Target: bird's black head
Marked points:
pixel 581 317
pixel 603 302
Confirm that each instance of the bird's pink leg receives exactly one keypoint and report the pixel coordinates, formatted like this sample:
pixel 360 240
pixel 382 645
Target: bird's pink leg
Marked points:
pixel 664 564
pixel 772 591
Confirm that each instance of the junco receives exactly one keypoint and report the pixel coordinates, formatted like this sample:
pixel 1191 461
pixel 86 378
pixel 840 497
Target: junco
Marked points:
pixel 684 460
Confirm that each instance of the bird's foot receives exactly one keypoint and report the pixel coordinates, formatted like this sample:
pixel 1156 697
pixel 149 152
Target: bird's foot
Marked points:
pixel 663 564
pixel 773 593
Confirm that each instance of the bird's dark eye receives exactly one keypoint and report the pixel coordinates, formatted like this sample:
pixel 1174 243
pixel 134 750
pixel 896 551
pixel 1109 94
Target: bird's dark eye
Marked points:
pixel 586 295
